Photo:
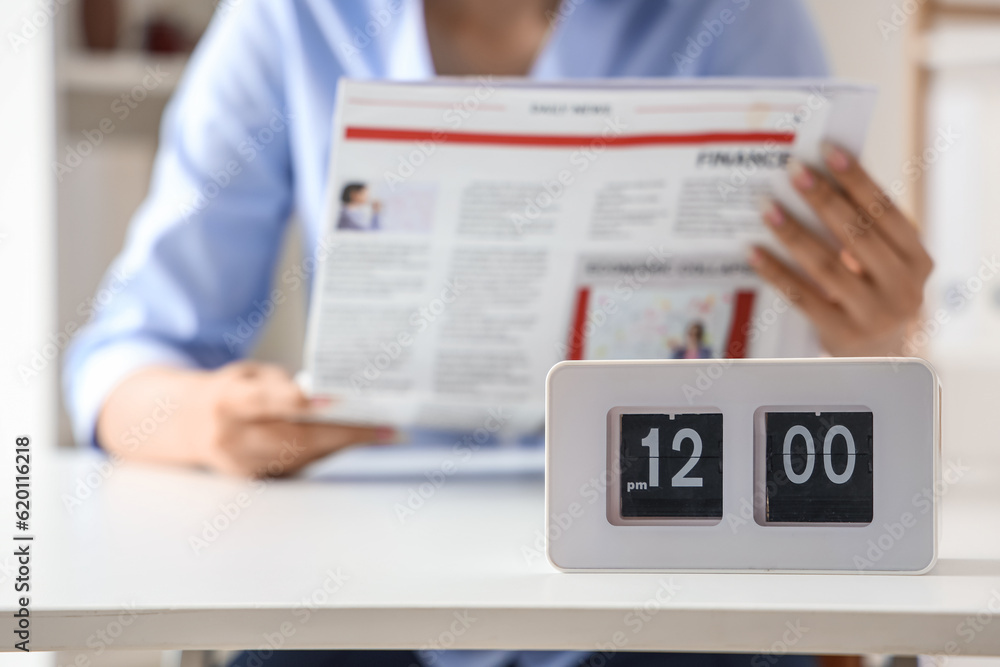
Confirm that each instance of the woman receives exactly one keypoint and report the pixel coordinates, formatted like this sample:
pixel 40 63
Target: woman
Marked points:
pixel 694 344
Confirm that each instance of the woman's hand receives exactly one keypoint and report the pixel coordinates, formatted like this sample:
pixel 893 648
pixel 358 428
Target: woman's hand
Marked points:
pixel 240 419
pixel 863 292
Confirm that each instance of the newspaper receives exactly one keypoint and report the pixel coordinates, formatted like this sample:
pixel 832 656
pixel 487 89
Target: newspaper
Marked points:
pixel 481 230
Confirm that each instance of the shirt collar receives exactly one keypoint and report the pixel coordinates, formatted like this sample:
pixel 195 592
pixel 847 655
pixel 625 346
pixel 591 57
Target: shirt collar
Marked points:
pixel 408 55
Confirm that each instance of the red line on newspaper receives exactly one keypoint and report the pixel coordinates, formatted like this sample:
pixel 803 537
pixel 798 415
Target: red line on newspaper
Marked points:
pixel 418 104
pixel 383 134
pixel 577 334
pixel 736 346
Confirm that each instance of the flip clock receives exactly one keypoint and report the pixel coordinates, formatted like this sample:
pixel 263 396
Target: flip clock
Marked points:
pixel 804 465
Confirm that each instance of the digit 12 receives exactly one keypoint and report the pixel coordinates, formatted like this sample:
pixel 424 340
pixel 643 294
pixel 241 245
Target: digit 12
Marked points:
pixel 652 443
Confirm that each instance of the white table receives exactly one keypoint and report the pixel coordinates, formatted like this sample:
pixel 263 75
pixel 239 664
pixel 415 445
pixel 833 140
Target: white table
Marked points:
pixel 310 564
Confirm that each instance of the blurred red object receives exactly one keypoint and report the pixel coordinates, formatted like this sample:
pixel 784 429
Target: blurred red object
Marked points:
pixel 100 24
pixel 166 36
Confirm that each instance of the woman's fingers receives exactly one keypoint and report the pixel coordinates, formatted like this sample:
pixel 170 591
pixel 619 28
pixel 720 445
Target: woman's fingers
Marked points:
pixel 878 208
pixel 862 290
pixel 279 448
pixel 850 225
pixel 260 392
pixel 327 438
pixel 823 264
pixel 824 314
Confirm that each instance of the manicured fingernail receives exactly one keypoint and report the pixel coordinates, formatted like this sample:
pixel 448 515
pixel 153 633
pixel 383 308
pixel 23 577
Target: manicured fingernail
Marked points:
pixel 771 213
pixel 754 257
pixel 835 158
pixel 801 177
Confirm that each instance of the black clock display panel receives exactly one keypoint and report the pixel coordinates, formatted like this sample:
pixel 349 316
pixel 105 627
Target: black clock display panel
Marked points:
pixel 671 466
pixel 818 467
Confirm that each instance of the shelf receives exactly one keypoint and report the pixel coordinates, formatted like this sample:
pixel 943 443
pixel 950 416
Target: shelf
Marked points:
pixel 119 72
pixel 969 8
pixel 961 46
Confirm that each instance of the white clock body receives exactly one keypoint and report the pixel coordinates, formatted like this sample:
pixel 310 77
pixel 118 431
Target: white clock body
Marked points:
pixel 801 465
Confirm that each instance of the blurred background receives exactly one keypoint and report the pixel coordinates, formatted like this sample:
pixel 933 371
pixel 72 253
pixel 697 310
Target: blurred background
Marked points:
pixel 108 67
pixel 84 83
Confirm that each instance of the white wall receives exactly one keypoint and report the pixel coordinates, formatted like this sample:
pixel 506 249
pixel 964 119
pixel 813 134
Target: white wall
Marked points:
pixel 858 50
pixel 27 210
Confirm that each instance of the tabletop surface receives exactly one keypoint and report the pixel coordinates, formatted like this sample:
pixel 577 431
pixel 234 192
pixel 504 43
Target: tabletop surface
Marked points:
pixel 158 558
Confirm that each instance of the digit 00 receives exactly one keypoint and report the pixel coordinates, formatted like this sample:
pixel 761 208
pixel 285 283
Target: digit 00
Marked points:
pixel 832 475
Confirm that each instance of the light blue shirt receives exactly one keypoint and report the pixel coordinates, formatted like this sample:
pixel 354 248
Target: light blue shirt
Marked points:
pixel 246 142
